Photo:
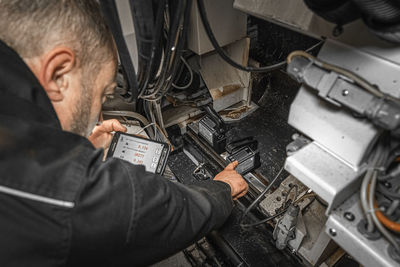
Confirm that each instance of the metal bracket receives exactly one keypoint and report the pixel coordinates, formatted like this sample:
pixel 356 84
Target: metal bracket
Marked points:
pixel 341 91
pixel 285 228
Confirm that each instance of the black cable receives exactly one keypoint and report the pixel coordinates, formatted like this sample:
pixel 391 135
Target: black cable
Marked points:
pixel 391 175
pixel 260 196
pixel 321 202
pixel 156 45
pixel 222 53
pixel 173 27
pixel 264 220
pixel 170 49
pixel 385 191
pixel 109 9
pixel 143 21
pixel 173 65
pixel 179 48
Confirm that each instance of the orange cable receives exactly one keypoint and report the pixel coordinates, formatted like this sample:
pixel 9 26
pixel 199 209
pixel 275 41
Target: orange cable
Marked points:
pixel 394 226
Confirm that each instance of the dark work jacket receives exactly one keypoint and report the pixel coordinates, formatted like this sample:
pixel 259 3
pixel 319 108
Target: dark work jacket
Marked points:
pixel 60 205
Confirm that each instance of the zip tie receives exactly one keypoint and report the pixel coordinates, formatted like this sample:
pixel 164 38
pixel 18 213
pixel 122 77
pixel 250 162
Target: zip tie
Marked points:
pixel 375 168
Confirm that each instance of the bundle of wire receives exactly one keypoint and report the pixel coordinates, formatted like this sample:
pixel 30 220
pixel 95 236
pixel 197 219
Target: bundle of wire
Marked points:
pixel 160 45
pixel 161 29
pixel 376 219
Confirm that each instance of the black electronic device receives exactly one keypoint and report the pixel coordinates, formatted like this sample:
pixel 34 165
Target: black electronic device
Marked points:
pixel 247 158
pixel 137 150
pixel 210 132
pixel 237 144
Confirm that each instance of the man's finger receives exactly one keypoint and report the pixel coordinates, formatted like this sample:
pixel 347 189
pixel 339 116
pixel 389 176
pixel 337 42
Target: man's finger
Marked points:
pixel 118 127
pixel 241 194
pixel 232 166
pixel 109 126
pixel 106 126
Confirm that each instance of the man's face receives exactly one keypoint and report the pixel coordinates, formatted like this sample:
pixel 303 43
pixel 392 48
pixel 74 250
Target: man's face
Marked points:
pixel 75 92
pixel 92 94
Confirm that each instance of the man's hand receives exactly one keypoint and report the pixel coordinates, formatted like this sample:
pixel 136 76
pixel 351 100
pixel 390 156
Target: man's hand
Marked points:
pixel 101 136
pixel 238 185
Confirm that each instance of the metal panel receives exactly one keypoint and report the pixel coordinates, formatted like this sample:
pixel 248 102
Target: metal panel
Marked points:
pixel 227 23
pixel 128 29
pixel 377 65
pixel 296 16
pixel 334 128
pixel 368 253
pixel 329 178
pixel 227 85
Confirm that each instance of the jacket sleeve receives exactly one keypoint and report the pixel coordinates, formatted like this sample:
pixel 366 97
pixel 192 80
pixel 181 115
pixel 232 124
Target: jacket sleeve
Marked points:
pixel 128 217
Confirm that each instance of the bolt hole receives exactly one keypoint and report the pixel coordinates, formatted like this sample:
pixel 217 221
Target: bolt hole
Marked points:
pixel 278 198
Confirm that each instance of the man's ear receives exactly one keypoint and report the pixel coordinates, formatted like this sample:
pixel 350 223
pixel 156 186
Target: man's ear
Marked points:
pixel 54 70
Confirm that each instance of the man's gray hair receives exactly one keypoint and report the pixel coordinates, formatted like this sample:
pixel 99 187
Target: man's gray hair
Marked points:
pixel 31 27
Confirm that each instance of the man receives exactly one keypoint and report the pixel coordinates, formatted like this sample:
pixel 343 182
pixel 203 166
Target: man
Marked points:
pixel 60 205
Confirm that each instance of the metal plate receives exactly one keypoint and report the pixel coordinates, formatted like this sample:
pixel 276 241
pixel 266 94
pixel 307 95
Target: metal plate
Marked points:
pixel 335 129
pixel 227 23
pixel 368 253
pixel 377 65
pixel 329 178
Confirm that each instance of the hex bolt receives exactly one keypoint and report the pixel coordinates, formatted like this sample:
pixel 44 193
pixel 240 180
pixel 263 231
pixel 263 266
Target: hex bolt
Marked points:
pixel 332 232
pixel 345 92
pixel 349 216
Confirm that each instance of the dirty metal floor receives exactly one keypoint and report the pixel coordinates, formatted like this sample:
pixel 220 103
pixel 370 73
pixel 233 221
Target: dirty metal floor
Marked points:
pixel 273 93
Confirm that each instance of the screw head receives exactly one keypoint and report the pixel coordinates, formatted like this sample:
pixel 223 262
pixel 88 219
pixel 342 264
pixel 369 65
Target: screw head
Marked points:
pixel 338 30
pixel 345 92
pixel 332 232
pixel 349 216
pixel 387 184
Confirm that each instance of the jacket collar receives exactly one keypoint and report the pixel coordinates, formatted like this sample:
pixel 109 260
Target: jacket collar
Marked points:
pixel 20 86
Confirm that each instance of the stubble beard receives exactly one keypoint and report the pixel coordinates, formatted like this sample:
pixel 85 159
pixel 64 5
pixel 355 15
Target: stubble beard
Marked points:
pixel 81 123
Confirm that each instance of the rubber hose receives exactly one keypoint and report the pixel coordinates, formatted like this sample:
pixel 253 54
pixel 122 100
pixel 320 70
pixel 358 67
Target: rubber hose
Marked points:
pixel 382 17
pixel 336 11
pixel 379 11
